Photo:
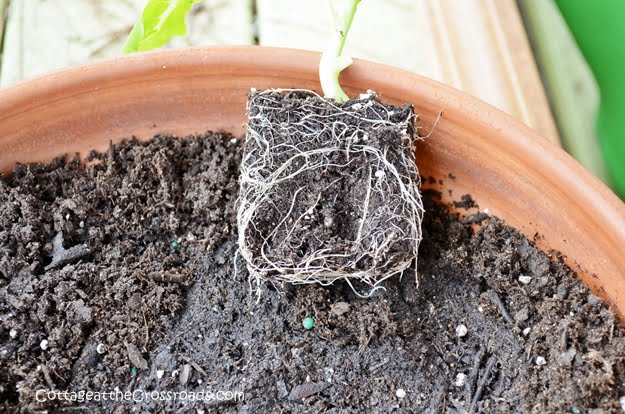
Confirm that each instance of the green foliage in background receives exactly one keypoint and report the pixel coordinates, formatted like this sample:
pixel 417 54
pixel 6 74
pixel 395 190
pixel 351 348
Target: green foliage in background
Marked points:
pixel 160 21
pixel 599 29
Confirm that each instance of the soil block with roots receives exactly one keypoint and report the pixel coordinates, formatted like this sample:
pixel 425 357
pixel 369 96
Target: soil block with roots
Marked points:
pixel 328 191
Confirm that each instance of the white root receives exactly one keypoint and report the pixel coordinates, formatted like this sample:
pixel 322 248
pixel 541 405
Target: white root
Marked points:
pixel 294 145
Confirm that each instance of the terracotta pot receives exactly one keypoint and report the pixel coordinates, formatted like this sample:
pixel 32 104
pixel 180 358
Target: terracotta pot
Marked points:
pixel 520 177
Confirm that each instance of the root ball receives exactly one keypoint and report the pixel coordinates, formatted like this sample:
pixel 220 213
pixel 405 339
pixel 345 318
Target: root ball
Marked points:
pixel 328 191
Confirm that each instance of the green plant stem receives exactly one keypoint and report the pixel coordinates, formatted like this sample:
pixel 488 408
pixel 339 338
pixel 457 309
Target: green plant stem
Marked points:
pixel 332 62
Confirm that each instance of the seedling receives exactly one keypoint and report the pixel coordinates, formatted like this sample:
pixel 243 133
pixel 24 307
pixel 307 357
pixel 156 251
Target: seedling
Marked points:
pixel 329 187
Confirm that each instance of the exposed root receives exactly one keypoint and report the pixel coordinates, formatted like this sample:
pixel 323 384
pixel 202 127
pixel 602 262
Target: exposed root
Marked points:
pixel 328 191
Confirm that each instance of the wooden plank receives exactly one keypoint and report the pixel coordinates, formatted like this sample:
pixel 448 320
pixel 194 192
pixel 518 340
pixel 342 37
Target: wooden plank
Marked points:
pixel 305 24
pixel 570 82
pixel 219 22
pixel 479 46
pixel 43 35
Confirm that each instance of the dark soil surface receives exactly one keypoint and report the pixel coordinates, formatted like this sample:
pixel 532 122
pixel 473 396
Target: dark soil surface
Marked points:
pixel 89 271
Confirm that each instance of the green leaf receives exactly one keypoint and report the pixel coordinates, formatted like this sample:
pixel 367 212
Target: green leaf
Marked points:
pixel 161 20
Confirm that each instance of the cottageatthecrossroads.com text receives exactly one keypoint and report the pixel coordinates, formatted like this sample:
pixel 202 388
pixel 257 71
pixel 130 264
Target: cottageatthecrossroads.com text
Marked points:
pixel 139 395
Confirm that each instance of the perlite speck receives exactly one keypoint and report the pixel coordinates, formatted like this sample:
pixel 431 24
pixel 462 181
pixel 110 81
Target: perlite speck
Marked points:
pixel 525 279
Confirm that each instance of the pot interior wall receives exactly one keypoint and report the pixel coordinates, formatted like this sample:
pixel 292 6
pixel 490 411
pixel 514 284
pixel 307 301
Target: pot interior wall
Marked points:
pixel 520 177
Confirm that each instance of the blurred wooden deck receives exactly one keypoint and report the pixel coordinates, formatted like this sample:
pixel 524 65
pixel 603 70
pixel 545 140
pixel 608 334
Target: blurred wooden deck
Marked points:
pixel 479 46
